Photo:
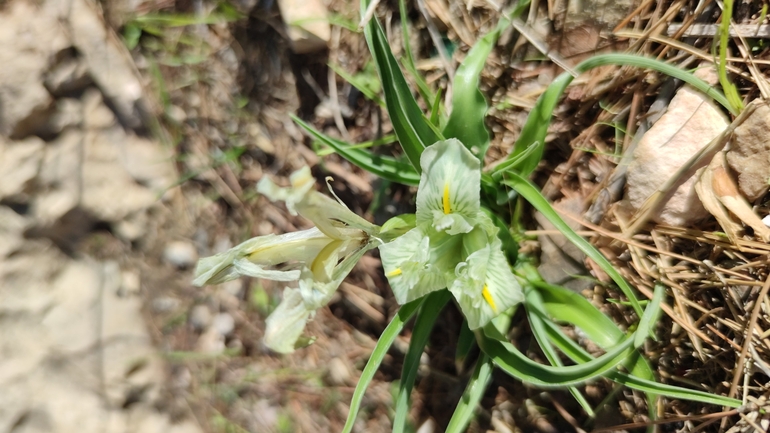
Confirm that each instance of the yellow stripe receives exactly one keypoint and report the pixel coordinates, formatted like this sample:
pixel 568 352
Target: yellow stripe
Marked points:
pixel 447 209
pixel 394 273
pixel 488 297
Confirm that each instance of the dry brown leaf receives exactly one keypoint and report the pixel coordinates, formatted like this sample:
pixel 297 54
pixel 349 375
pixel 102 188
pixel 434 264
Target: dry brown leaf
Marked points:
pixel 719 195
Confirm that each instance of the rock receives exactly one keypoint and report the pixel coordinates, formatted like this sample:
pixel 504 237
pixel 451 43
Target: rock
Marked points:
pixel 429 426
pixel 338 373
pixel 164 304
pixel 561 262
pixel 28 42
pixel 211 342
pixel 68 112
pixel 109 192
pixel 108 62
pixel 224 324
pixel 307 23
pixel 71 322
pixel 181 254
pixel 96 114
pixel 12 227
pixel 69 75
pixel 147 162
pixel 749 154
pixel 691 122
pixel 200 317
pixel 130 283
pixel 19 164
pixel 59 179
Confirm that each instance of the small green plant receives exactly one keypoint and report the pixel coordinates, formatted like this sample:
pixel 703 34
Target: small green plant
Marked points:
pixel 459 245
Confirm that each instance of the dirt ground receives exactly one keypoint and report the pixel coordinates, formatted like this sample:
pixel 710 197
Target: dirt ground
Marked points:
pixel 133 133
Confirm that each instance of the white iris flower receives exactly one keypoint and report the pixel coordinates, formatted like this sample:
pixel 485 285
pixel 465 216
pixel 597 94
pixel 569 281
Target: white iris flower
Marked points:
pixel 454 243
pixel 319 258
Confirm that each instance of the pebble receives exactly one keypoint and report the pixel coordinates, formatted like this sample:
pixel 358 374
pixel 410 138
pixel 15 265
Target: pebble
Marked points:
pixel 200 317
pixel 224 324
pixel 180 254
pixel 339 373
pixel 164 304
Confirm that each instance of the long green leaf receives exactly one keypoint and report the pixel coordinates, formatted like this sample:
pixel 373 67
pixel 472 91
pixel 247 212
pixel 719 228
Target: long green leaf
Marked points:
pixel 534 197
pixel 515 363
pixel 537 319
pixel 578 354
pixel 539 119
pixel 469 106
pixel 385 167
pixel 408 60
pixel 412 128
pixel 380 350
pixel 359 82
pixel 566 306
pixel 472 395
pixel 430 310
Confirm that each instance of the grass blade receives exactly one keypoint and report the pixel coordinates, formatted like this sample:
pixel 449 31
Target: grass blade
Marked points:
pixel 380 350
pixel 384 166
pixel 466 407
pixel 432 306
pixel 534 197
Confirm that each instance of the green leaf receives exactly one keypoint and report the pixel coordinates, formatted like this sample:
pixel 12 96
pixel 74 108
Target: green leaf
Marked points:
pixel 537 318
pixel 731 92
pixel 469 106
pixel 465 342
pixel 539 119
pixel 430 310
pixel 566 306
pixel 409 64
pixel 362 82
pixel 512 361
pixel 380 350
pixel 412 128
pixel 578 354
pixel 472 395
pixel 385 167
pixel 534 197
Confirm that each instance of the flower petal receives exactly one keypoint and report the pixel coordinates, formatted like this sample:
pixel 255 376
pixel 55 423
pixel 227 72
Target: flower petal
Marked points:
pixel 326 213
pixel 407 266
pixel 285 325
pixel 268 250
pixel 485 286
pixel 449 191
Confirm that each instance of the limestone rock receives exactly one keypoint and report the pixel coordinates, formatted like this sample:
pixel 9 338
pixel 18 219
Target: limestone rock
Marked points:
pixel 691 122
pixel 180 254
pixel 19 164
pixel 28 42
pixel 108 62
pixel 749 155
pixel 68 75
pixel 307 23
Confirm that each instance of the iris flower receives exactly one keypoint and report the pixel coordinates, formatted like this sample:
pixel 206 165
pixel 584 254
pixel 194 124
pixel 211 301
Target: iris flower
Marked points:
pixel 319 258
pixel 453 244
